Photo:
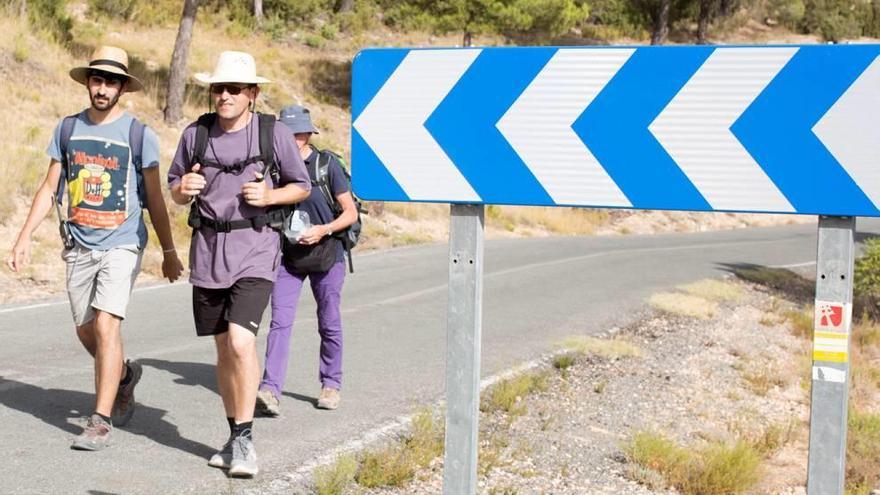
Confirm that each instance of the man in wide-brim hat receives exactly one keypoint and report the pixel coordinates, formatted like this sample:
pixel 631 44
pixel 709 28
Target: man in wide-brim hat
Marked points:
pixel 221 168
pixel 109 162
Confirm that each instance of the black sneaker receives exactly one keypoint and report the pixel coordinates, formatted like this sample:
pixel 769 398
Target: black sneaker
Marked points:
pixel 123 407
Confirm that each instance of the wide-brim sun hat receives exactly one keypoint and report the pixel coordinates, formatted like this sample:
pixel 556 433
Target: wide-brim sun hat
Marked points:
pixel 108 59
pixel 233 67
pixel 298 119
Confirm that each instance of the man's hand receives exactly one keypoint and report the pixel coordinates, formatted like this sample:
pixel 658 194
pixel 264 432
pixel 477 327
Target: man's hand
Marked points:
pixel 256 192
pixel 191 184
pixel 171 266
pixel 20 255
pixel 314 234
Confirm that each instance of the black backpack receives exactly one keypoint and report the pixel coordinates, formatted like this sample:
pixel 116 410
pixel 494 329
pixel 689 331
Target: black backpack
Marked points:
pixel 274 217
pixel 320 176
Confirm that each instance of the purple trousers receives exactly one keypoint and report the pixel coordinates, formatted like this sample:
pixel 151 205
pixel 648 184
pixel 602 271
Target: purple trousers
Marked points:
pixel 327 289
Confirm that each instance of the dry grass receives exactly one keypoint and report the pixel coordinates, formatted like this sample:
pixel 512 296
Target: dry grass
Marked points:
pixel 717 468
pixel 684 305
pixel 714 290
pixel 396 463
pixel 800 321
pixel 337 477
pixel 508 395
pixel 760 379
pixel 608 348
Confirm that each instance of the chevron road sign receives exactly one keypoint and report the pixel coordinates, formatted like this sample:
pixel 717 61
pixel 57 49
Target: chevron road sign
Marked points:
pixel 775 129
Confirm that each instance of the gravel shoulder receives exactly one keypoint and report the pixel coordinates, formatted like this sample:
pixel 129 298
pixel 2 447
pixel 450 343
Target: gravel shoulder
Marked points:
pixel 735 375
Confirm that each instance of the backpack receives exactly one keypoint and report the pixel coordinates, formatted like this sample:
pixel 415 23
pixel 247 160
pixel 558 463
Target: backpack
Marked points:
pixel 274 217
pixel 135 145
pixel 320 175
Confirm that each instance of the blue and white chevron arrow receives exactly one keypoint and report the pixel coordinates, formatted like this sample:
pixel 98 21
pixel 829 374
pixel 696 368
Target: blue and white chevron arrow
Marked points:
pixel 775 129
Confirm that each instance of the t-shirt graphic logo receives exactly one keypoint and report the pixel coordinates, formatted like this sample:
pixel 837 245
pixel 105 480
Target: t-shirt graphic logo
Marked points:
pixel 98 183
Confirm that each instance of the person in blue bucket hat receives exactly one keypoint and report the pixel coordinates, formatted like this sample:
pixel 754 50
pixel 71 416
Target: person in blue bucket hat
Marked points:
pixel 319 256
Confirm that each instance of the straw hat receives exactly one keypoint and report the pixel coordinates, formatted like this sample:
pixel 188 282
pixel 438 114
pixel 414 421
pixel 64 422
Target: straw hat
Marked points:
pixel 107 59
pixel 233 67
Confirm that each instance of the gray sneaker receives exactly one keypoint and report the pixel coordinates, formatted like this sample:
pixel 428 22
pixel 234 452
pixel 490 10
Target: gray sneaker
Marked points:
pixel 268 404
pixel 123 407
pixel 95 436
pixel 244 458
pixel 223 458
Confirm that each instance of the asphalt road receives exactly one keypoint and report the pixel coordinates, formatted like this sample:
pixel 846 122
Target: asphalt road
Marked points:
pixel 537 291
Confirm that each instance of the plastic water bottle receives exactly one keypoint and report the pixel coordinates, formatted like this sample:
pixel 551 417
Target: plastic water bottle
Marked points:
pixel 297 223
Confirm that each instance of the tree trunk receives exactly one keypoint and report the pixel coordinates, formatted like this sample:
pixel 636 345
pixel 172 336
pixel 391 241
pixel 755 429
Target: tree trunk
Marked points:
pixel 258 11
pixel 703 23
pixel 467 39
pixel 344 6
pixel 177 76
pixel 661 23
pixel 727 7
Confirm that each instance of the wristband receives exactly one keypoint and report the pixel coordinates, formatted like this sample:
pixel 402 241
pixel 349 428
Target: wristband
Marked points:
pixel 169 250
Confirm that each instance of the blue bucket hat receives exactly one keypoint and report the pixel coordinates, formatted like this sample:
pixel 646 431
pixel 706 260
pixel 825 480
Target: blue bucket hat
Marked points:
pixel 297 118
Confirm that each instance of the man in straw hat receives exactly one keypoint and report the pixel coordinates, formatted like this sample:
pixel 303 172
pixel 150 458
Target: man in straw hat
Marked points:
pixel 110 164
pixel 235 166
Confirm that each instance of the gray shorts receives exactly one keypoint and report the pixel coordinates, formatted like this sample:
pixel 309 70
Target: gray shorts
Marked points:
pixel 100 280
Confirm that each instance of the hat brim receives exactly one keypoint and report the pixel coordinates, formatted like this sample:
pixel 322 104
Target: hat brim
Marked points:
pixel 208 79
pixel 81 75
pixel 299 127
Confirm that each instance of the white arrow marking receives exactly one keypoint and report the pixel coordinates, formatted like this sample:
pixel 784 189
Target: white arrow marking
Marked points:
pixel 538 126
pixel 849 131
pixel 393 125
pixel 695 128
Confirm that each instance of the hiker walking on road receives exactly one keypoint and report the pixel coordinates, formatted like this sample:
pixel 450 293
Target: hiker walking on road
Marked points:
pixel 236 167
pixel 109 162
pixel 318 256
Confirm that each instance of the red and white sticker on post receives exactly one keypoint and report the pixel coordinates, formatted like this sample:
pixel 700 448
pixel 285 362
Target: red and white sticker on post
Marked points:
pixel 832 324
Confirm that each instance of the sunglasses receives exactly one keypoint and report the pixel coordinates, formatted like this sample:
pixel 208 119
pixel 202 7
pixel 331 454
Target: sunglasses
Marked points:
pixel 232 89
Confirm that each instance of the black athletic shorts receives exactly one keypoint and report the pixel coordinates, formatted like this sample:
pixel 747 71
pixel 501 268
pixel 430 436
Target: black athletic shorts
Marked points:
pixel 242 304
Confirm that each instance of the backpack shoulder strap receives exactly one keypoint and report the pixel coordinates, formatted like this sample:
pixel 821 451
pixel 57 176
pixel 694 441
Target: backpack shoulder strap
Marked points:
pixel 267 145
pixel 322 178
pixel 136 145
pixel 203 126
pixel 67 125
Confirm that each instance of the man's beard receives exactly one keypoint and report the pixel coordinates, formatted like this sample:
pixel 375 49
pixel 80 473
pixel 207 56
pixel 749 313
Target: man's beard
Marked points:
pixel 104 106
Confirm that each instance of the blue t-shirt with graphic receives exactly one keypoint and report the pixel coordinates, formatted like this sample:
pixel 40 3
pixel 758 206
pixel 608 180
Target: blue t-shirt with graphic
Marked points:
pixel 103 205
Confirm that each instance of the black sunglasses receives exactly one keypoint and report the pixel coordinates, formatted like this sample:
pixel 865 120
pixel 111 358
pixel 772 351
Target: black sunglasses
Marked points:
pixel 232 89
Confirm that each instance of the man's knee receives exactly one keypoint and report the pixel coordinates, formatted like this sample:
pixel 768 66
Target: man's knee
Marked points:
pixel 105 324
pixel 240 343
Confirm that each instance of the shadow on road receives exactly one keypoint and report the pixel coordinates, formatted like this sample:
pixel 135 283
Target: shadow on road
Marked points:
pixel 56 407
pixel 192 374
pixel 787 282
pixel 202 375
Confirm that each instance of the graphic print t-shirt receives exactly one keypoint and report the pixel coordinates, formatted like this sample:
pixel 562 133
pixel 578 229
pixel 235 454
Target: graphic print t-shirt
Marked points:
pixel 103 205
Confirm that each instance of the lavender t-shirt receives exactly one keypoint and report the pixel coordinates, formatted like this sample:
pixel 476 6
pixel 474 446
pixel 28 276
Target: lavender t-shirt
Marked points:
pixel 217 259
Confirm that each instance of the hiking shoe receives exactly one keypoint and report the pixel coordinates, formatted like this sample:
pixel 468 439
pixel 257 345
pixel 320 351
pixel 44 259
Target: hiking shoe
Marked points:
pixel 123 407
pixel 244 458
pixel 223 458
pixel 95 436
pixel 268 404
pixel 329 398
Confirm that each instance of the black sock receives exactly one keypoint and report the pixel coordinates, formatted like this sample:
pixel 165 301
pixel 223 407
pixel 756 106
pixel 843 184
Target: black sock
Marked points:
pixel 126 369
pixel 105 418
pixel 231 422
pixel 243 429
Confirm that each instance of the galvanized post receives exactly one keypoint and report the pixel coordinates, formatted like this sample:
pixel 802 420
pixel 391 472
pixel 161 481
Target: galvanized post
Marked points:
pixel 463 349
pixel 833 318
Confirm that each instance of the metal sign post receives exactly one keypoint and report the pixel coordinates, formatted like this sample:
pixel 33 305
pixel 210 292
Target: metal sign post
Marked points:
pixel 833 320
pixel 464 330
